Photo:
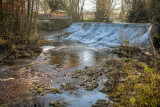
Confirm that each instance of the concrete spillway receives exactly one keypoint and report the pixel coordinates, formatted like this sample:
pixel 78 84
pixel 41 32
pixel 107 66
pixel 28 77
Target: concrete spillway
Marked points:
pixel 103 35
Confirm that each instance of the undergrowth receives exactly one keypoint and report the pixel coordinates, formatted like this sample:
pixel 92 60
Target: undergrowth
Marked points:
pixel 140 87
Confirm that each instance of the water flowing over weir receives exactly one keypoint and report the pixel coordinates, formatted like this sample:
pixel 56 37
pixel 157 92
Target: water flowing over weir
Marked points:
pixel 104 35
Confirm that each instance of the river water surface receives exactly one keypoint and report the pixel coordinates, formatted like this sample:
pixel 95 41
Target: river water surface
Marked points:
pixel 83 46
pixel 67 56
pixel 58 57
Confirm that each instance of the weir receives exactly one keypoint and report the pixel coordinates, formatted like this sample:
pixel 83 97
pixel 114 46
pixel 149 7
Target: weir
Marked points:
pixel 105 35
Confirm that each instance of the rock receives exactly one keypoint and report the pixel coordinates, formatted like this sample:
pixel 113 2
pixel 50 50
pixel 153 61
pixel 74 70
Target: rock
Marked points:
pixel 108 83
pixel 74 92
pixel 108 86
pixel 79 71
pixel 26 54
pixel 12 57
pixel 73 76
pixel 56 90
pixel 86 67
pixel 91 86
pixel 101 103
pixel 107 89
pixel 63 84
pixel 55 103
pixel 39 75
pixel 2 56
pixel 1 60
pixel 17 55
pixel 39 89
pixel 67 86
pixel 81 83
pixel 85 77
pixel 94 83
pixel 65 74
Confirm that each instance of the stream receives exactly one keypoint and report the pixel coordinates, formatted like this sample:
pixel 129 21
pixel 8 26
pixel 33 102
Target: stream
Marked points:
pixel 67 56
pixel 56 59
pixel 66 53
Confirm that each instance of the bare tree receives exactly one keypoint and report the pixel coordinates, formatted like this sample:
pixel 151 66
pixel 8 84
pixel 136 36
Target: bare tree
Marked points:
pixel 104 8
pixel 44 6
pixel 18 22
pixel 75 8
pixel 1 13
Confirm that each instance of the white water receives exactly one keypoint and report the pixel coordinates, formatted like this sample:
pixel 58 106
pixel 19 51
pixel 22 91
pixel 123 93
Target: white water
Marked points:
pixel 103 35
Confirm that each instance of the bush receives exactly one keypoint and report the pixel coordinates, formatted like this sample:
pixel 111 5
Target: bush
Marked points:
pixel 141 87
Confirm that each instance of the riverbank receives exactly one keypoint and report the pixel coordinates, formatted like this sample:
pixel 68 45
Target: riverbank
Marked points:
pixel 133 80
pixel 21 47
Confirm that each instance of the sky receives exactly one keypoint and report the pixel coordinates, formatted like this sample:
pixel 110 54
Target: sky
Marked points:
pixel 89 5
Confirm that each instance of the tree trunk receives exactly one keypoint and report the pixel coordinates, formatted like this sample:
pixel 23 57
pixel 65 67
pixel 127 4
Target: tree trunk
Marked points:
pixel 81 13
pixel 1 12
pixel 28 15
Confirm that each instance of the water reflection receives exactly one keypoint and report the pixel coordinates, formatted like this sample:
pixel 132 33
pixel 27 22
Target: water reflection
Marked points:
pixel 82 99
pixel 87 58
pixel 73 55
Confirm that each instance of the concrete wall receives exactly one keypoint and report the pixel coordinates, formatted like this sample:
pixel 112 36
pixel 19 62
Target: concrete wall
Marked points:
pixel 155 30
pixel 53 24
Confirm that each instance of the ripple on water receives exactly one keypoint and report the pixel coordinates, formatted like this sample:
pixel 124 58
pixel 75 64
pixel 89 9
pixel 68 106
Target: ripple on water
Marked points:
pixel 46 48
pixel 83 98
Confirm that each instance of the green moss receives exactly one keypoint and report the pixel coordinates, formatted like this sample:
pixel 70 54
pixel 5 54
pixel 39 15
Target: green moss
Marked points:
pixel 141 87
pixel 29 98
pixel 157 35
pixel 127 59
pixel 86 67
pixel 4 105
pixel 55 90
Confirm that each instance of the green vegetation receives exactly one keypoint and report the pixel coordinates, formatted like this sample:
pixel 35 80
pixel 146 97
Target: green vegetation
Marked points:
pixel 141 11
pixel 133 82
pixel 140 88
pixel 156 40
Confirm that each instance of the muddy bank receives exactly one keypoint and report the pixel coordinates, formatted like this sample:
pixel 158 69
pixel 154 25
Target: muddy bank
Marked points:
pixel 23 84
pixel 19 52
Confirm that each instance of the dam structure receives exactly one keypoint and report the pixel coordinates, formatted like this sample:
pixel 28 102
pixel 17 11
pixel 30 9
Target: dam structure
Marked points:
pixel 110 35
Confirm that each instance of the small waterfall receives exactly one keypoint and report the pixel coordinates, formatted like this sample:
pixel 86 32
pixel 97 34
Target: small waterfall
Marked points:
pixel 104 35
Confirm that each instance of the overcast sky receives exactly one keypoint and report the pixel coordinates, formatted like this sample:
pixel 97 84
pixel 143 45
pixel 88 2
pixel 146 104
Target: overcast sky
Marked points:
pixel 89 5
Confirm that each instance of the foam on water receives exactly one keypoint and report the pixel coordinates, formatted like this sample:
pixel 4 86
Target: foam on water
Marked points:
pixel 104 35
pixel 46 48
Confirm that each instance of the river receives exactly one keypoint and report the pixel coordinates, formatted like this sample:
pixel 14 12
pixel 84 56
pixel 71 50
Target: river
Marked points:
pixel 79 46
